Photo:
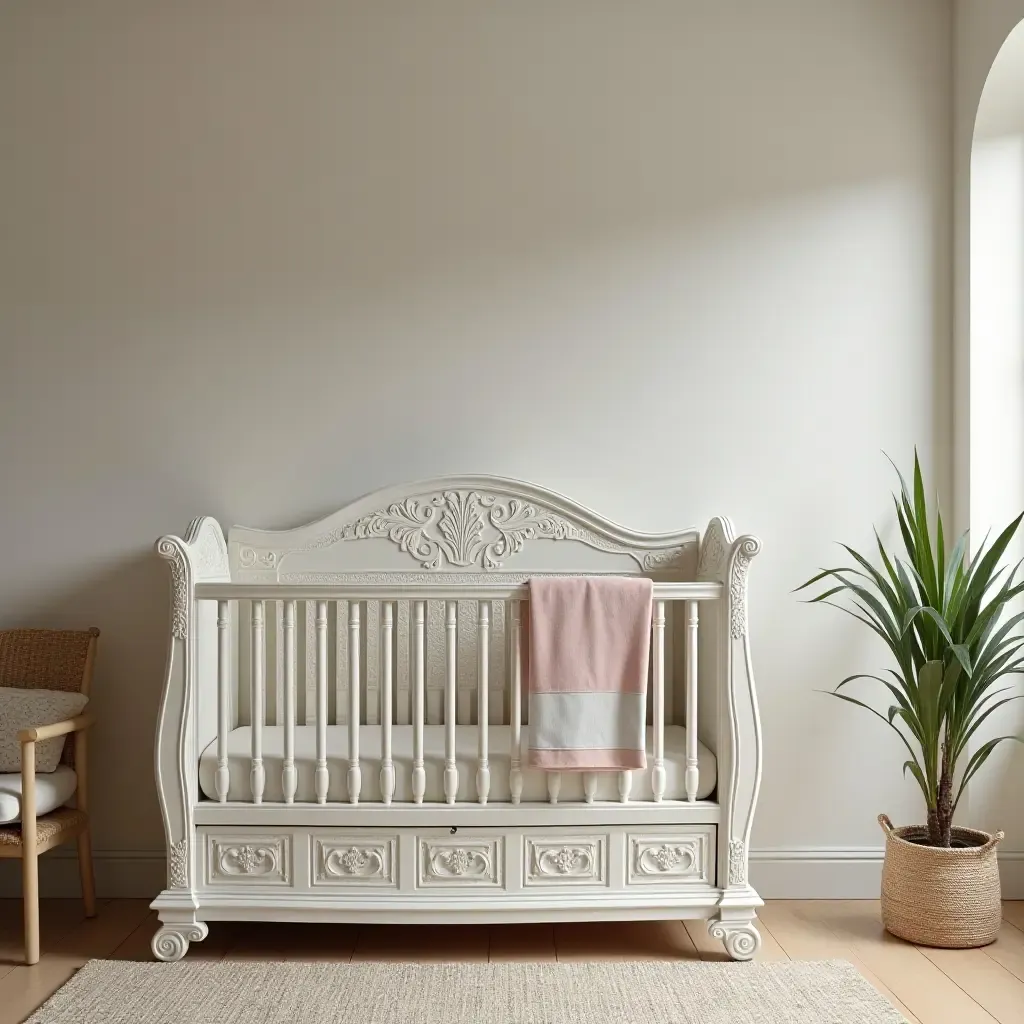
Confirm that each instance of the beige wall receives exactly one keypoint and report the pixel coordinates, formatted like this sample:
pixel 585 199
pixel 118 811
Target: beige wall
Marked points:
pixel 673 259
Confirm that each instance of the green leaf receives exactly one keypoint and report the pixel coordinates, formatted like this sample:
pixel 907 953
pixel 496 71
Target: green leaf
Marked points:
pixel 959 651
pixel 868 707
pixel 915 770
pixel 975 725
pixel 980 756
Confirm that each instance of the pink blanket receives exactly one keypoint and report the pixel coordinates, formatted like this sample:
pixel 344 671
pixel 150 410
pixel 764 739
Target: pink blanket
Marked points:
pixel 589 644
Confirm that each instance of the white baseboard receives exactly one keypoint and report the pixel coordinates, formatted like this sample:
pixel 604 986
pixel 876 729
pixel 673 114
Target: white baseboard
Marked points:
pixel 795 873
pixel 853 873
pixel 124 874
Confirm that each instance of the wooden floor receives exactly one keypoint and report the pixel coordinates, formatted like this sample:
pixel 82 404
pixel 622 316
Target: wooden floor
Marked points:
pixel 927 985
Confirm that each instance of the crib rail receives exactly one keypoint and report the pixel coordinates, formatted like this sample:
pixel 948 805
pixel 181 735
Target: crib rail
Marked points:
pixel 704 590
pixel 487 595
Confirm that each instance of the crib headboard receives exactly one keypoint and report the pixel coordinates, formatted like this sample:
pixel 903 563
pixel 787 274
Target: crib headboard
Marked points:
pixel 457 526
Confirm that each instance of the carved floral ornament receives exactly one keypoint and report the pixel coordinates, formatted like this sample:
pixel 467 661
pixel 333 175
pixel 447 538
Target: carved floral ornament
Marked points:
pixel 467 529
pixel 169 549
pixel 566 860
pixel 737 862
pixel 665 858
pixel 458 862
pixel 354 862
pixel 249 859
pixel 177 864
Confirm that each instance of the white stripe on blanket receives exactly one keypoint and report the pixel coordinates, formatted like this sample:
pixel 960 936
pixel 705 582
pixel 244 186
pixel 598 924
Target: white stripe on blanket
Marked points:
pixel 588 720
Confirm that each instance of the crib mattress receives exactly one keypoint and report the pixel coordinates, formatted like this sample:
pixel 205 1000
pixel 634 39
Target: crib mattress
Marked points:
pixel 534 781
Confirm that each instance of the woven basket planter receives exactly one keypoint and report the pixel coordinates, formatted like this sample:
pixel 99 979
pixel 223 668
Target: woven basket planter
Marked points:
pixel 939 897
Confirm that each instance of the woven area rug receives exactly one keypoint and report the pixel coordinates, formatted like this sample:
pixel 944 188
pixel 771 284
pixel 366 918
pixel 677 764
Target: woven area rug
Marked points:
pixel 121 992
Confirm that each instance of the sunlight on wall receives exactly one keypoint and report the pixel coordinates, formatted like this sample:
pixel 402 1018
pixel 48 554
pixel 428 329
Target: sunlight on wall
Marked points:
pixel 997 374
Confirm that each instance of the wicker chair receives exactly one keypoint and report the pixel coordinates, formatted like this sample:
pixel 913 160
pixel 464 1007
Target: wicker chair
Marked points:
pixel 53 660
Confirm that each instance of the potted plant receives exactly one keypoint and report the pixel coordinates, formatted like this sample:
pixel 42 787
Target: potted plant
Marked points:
pixel 943 616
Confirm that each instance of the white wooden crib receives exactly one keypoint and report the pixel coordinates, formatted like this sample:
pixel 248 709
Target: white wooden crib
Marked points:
pixel 342 733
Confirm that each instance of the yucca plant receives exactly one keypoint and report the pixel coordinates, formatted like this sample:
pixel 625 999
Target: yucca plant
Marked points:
pixel 942 617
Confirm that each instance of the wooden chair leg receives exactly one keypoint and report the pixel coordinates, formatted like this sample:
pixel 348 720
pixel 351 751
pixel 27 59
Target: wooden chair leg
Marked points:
pixel 86 873
pixel 84 840
pixel 29 853
pixel 30 901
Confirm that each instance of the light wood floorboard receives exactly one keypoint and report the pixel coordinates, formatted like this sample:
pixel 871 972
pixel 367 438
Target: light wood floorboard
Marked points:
pixel 928 986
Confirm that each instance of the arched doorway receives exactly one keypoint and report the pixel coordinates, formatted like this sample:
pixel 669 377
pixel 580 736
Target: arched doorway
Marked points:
pixel 996 379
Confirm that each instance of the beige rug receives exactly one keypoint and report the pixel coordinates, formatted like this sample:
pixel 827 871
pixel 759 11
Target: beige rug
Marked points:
pixel 120 992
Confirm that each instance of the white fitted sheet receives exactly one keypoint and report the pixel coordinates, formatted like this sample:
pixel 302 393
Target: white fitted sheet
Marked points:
pixel 534 780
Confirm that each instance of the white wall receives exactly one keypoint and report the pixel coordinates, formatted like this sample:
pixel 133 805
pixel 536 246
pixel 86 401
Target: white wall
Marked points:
pixel 995 318
pixel 671 259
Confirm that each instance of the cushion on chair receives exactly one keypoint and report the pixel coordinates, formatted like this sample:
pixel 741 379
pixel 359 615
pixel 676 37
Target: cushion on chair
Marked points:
pixel 26 709
pixel 48 828
pixel 52 789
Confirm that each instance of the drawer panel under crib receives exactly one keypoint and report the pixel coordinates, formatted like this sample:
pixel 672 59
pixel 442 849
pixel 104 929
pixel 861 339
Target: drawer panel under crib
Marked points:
pixel 247 858
pixel 436 861
pixel 359 860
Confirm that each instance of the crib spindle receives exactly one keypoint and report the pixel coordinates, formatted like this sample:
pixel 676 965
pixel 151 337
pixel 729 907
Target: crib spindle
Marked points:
pixel 451 771
pixel 589 786
pixel 321 777
pixel 289 778
pixel 658 648
pixel 387 767
pixel 419 775
pixel 483 772
pixel 257 777
pixel 515 782
pixel 691 779
pixel 625 784
pixel 355 777
pixel 554 786
pixel 223 700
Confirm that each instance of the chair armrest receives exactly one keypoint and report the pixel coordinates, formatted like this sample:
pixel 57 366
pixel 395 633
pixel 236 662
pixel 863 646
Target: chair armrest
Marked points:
pixel 48 732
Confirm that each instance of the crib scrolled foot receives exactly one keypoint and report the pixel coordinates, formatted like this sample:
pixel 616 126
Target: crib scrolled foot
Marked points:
pixel 742 940
pixel 171 942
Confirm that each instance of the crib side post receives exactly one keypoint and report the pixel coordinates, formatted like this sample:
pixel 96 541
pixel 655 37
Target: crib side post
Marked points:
pixel 727 558
pixel 184 724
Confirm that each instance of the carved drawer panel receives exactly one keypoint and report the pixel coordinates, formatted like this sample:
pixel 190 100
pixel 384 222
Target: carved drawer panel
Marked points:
pixel 249 860
pixel 467 862
pixel 675 859
pixel 565 860
pixel 356 860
